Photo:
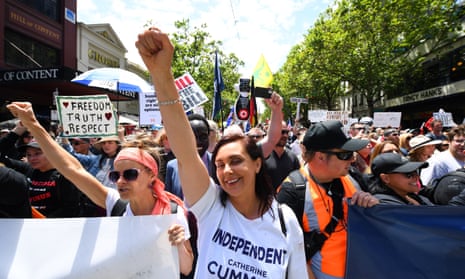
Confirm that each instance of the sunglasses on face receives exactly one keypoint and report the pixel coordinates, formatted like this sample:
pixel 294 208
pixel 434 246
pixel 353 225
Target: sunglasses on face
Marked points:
pixel 343 155
pixel 410 174
pixel 256 136
pixel 128 175
pixel 284 132
pixel 76 143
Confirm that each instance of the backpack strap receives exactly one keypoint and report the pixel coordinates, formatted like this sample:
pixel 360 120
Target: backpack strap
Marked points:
pixel 297 185
pixel 174 207
pixel 119 208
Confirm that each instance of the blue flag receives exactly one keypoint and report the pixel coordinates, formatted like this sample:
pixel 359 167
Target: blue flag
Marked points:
pixel 397 241
pixel 218 86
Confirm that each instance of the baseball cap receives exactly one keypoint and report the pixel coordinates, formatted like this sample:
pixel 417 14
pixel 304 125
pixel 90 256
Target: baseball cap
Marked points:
pixel 32 143
pixel 388 132
pixel 328 135
pixel 394 163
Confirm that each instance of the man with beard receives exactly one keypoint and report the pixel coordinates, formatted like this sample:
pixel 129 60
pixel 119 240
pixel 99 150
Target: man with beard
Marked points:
pixel 281 160
pixel 201 129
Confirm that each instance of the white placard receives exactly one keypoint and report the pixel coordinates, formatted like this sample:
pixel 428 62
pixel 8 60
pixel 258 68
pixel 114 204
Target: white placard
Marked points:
pixel 317 115
pixel 87 116
pixel 190 92
pixel 445 117
pixel 387 119
pixel 108 247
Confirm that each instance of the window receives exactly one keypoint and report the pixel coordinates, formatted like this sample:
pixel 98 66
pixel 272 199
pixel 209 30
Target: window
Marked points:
pixel 49 8
pixel 24 52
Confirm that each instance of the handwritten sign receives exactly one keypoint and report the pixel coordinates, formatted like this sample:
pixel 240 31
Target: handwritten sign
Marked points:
pixel 445 117
pixel 87 116
pixel 190 92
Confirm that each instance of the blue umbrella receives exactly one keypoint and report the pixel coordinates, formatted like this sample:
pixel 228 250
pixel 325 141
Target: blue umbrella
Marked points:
pixel 123 82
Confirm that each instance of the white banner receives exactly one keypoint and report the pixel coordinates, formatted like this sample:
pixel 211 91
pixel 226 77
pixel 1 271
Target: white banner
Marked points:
pixel 108 247
pixel 87 116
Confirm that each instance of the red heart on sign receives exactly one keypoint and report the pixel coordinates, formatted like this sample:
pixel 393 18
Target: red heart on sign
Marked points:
pixel 108 115
pixel 65 104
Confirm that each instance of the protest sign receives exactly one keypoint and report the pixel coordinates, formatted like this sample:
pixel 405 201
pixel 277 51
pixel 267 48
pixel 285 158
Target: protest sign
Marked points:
pixel 116 247
pixel 397 241
pixel 87 116
pixel 191 96
pixel 445 117
pixel 387 119
pixel 316 116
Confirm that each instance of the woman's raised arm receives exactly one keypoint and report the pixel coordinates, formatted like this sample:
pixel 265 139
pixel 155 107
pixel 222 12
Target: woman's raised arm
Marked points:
pixel 64 162
pixel 156 51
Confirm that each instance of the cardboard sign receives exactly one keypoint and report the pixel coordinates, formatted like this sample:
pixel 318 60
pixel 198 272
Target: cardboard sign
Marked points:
pixel 87 116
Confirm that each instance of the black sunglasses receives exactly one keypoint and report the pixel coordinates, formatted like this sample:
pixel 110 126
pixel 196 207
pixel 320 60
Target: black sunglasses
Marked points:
pixel 411 174
pixel 256 136
pixel 343 155
pixel 284 132
pixel 76 142
pixel 128 175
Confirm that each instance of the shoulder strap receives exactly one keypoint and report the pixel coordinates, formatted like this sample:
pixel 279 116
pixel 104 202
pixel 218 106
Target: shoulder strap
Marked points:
pixel 119 208
pixel 174 207
pixel 338 213
pixel 281 220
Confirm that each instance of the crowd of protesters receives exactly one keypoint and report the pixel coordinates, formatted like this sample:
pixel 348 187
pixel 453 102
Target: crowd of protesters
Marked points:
pixel 231 182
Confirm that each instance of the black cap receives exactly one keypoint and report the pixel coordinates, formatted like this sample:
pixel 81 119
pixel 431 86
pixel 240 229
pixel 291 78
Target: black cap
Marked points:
pixel 393 162
pixel 33 144
pixel 328 135
pixel 388 132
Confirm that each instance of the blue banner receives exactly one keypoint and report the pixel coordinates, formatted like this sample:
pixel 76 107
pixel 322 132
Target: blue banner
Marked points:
pixel 390 241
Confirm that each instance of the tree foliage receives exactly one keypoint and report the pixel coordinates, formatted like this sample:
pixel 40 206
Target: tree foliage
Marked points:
pixel 372 47
pixel 195 53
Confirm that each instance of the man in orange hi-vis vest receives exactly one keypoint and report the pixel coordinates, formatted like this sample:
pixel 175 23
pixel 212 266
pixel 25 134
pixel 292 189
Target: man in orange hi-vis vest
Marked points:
pixel 323 211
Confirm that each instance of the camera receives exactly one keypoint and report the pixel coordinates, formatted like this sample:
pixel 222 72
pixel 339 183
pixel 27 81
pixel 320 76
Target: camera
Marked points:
pixel 262 92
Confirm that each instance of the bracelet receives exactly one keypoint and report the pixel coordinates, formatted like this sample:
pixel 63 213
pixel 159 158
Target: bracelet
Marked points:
pixel 170 102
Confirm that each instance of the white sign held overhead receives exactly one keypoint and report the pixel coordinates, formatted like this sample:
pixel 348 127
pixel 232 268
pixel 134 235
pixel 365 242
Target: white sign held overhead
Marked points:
pixel 190 92
pixel 87 116
pixel 445 117
pixel 387 119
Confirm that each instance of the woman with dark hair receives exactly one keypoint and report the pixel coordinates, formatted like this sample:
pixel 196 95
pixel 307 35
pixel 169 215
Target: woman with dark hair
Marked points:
pixel 396 180
pixel 242 231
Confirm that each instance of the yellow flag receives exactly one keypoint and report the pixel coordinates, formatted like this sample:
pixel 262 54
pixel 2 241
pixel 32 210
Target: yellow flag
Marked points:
pixel 262 74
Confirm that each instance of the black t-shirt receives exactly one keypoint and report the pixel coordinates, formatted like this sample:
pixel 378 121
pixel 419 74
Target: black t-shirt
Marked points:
pixel 14 198
pixel 49 192
pixel 278 168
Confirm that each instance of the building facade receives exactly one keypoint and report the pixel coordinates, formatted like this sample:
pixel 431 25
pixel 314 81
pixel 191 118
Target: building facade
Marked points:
pixel 44 48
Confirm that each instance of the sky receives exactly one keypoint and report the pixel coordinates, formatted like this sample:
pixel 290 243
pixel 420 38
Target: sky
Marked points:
pixel 247 28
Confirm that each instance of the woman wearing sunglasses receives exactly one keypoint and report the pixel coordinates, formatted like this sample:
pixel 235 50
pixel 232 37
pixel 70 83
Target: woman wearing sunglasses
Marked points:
pixel 135 174
pixel 242 232
pixel 396 180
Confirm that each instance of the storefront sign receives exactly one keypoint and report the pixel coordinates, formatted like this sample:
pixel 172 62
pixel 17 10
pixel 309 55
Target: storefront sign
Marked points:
pixel 48 33
pixel 102 59
pixel 30 74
